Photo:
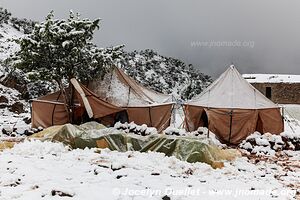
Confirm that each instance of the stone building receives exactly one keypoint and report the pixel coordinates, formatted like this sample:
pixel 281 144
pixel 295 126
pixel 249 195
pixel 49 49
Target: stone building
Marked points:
pixel 281 89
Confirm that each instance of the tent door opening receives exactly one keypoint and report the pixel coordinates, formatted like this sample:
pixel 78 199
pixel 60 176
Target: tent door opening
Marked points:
pixel 204 119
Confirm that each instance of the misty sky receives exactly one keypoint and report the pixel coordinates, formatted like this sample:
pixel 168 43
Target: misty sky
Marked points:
pixel 258 36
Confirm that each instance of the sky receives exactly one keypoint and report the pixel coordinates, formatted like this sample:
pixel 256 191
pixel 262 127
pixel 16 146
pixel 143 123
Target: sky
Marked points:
pixel 257 36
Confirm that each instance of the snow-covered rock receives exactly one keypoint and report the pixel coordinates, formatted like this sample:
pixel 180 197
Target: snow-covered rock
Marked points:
pixel 136 129
pixel 268 144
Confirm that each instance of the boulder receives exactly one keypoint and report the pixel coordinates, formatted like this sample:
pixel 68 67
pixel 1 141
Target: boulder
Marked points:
pixel 27 120
pixel 17 107
pixel 3 99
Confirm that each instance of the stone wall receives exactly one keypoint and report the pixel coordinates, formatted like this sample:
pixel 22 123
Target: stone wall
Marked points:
pixel 282 93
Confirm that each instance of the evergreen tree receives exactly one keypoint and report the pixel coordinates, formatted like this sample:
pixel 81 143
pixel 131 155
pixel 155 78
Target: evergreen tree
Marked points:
pixel 4 16
pixel 60 50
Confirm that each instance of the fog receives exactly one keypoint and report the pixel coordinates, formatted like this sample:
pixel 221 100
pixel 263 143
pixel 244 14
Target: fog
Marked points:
pixel 257 36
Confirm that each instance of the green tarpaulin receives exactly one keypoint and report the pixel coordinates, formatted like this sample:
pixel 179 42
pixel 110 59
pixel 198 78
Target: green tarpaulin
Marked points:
pixel 92 135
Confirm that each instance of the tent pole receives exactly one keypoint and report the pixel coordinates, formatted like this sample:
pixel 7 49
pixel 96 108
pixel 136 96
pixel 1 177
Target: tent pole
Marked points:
pixel 207 132
pixel 230 127
pixel 128 99
pixel 53 111
pixel 207 127
pixel 150 116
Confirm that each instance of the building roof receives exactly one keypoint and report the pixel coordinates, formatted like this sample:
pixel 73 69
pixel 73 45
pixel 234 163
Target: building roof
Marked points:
pixel 271 78
pixel 230 90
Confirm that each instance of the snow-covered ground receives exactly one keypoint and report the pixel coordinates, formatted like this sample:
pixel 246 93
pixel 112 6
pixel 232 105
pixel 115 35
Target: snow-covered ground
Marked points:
pixel 9 119
pixel 37 170
pixel 292 110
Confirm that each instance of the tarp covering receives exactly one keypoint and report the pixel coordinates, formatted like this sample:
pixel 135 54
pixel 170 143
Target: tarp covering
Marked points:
pixel 144 106
pixel 233 109
pixel 50 110
pixel 184 148
pixel 6 145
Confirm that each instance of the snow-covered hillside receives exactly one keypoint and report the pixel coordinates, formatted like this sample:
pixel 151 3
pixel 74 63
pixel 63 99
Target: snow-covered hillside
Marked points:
pixel 164 74
pixel 7 45
pixel 14 110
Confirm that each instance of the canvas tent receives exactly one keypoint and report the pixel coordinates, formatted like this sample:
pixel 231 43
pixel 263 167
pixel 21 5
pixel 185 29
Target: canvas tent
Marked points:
pixel 144 106
pixel 50 110
pixel 232 109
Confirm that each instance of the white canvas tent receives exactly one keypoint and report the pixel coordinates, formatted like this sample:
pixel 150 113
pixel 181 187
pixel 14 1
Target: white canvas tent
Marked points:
pixel 233 109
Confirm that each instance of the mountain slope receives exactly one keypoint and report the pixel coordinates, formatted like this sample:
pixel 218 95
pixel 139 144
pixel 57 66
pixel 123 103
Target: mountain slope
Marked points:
pixel 164 74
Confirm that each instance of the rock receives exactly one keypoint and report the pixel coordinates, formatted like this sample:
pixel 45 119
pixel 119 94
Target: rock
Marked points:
pixel 15 80
pixel 13 134
pixel 297 146
pixel 166 197
pixel 27 120
pixel 28 132
pixel 200 132
pixel 17 107
pixel 61 194
pixel 155 174
pixel 4 132
pixel 3 99
pixel 3 105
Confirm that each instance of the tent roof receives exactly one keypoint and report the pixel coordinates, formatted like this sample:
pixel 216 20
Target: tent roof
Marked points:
pixel 95 106
pixel 231 90
pixel 118 88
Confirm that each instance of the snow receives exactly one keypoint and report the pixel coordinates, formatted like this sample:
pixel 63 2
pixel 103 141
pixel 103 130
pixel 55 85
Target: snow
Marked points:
pixel 263 151
pixel 163 74
pixel 7 45
pixel 202 134
pixel 271 78
pixel 268 144
pixel 134 128
pixel 34 169
pixel 8 119
pixel 292 110
pixel 262 142
pixel 149 73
